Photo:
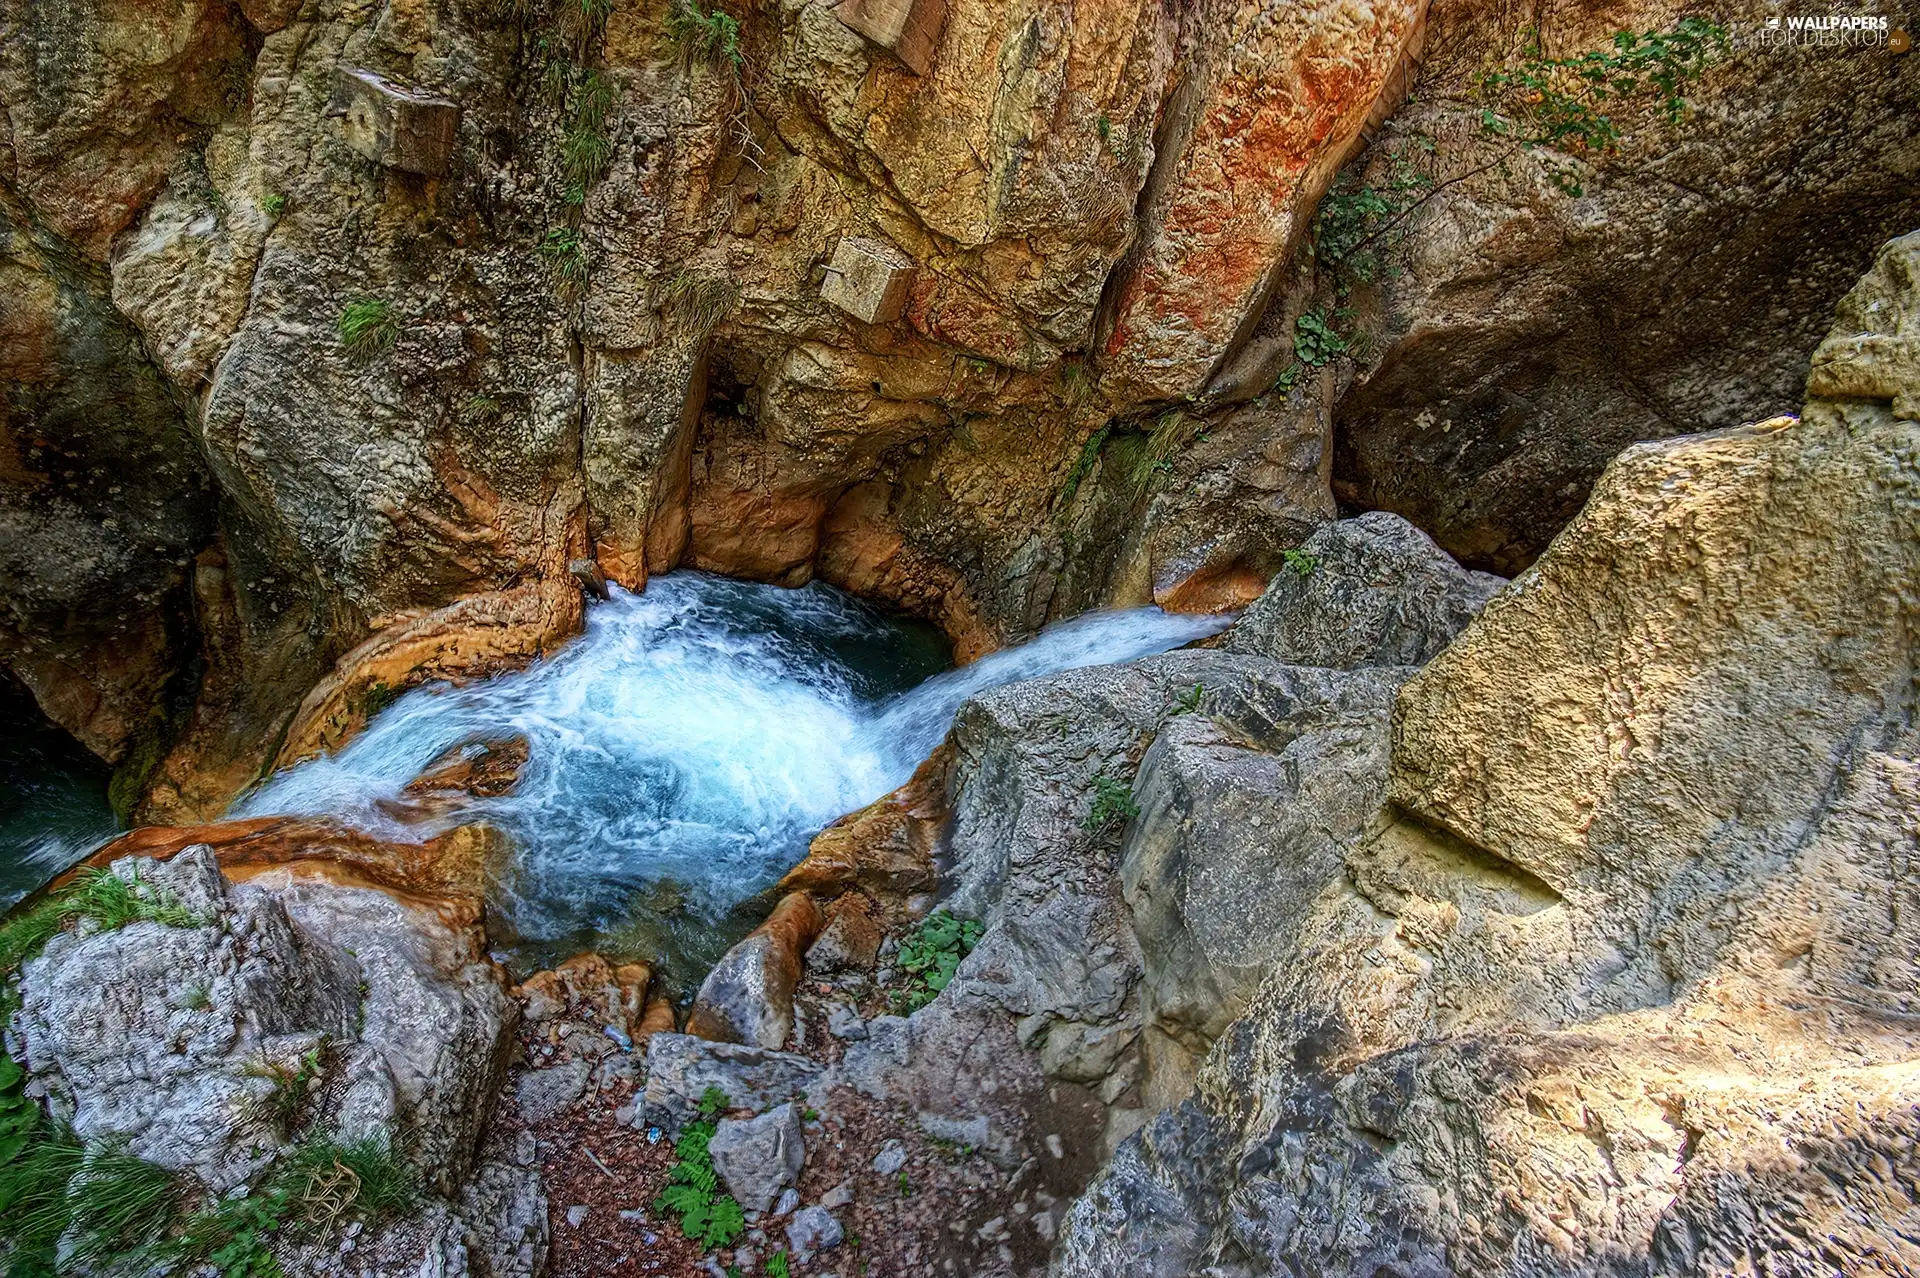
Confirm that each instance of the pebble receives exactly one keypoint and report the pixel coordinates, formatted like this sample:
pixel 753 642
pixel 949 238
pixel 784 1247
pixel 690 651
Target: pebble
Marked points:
pixel 839 1196
pixel 891 1158
pixel 576 1214
pixel 789 1200
pixel 632 1213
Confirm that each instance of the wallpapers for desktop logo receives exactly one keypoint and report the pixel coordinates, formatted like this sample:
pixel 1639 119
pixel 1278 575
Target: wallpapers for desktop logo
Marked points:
pixel 1834 31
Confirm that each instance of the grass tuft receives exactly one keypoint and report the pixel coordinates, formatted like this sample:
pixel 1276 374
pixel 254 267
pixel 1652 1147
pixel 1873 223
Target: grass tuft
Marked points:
pixel 1112 801
pixel 367 327
pixel 700 301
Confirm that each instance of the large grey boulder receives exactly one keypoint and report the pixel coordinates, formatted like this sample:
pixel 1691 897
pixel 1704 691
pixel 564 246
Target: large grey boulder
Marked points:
pixel 170 1040
pixel 1370 591
pixel 1628 980
pixel 760 1156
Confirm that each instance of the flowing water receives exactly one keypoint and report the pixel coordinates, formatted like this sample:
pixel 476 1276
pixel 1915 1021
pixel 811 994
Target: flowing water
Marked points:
pixel 53 799
pixel 685 749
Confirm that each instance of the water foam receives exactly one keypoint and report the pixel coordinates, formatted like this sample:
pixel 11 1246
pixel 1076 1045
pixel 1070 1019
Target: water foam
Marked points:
pixel 696 735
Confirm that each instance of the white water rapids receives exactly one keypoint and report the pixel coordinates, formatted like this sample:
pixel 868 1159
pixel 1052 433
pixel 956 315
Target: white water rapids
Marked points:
pixel 695 737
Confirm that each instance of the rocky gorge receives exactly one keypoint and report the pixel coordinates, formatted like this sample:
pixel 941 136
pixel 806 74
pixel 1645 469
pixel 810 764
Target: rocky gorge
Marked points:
pixel 1469 828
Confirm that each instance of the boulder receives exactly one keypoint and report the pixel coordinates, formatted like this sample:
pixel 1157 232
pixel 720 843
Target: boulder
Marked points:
pixel 868 279
pixel 748 996
pixel 759 1157
pixel 680 1069
pixel 908 29
pixel 813 1230
pixel 1636 919
pixel 1369 591
pixel 169 1039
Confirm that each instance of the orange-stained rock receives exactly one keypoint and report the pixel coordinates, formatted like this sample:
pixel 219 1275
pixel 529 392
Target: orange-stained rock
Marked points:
pixel 886 848
pixel 748 997
pixel 477 636
pixel 1268 117
pixel 458 862
pixel 851 939
pixel 658 1020
pixel 587 982
pixel 1214 588
pixel 862 550
pixel 472 769
pixel 745 526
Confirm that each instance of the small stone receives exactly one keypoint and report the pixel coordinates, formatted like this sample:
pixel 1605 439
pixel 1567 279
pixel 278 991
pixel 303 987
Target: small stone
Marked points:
pixel 869 279
pixel 757 1157
pixel 633 1214
pixel 891 1158
pixel 545 1093
pixel 813 1229
pixel 789 1200
pixel 576 1215
pixel 841 1195
pixel 845 1023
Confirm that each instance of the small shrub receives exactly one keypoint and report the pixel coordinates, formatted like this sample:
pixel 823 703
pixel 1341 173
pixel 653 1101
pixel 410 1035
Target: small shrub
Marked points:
pixel 330 1178
pixel 700 301
pixel 367 327
pixel 1083 464
pixel 1112 801
pixel 280 1108
pixel 707 1217
pixel 1189 701
pixel 1302 562
pixel 929 956
pixel 1316 343
pixel 584 155
pixel 1556 102
pixel 707 36
pixel 275 204
pixel 1359 226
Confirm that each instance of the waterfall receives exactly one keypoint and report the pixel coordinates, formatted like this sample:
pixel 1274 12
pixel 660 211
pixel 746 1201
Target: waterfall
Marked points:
pixel 694 738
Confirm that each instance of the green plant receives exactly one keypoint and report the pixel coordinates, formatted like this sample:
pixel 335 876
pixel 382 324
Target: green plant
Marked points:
pixel 1359 225
pixel 1083 464
pixel 331 1177
pixel 1316 343
pixel 1112 801
pixel 904 1184
pixel 275 204
pixel 1170 434
pixel 367 327
pixel 1302 562
pixel 280 1108
pixel 565 254
pixel 104 1201
pixel 95 894
pixel 22 935
pixel 197 997
pixel 777 1265
pixel 1189 701
pixel 708 36
pixel 700 301
pixel 707 1217
pixel 930 954
pixel 1557 103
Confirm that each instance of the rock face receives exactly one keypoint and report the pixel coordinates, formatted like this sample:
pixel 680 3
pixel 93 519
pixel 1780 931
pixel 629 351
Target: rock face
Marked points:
pixel 178 1042
pixel 1637 918
pixel 1517 351
pixel 395 360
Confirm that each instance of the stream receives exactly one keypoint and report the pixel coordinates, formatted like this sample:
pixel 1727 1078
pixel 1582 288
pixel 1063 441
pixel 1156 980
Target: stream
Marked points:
pixel 682 753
